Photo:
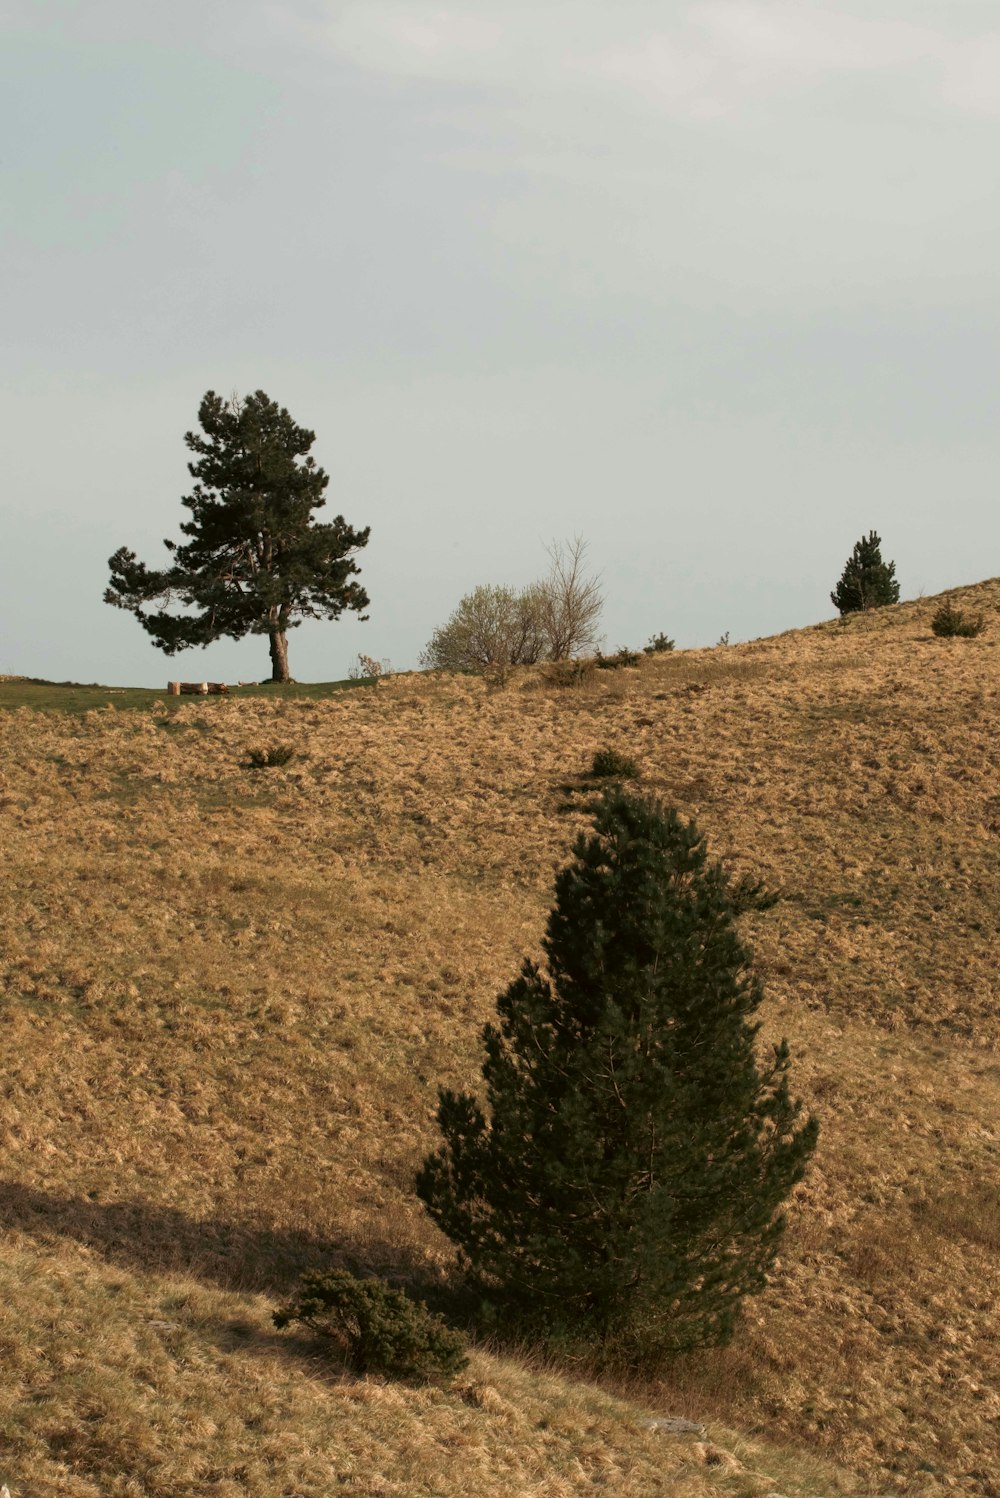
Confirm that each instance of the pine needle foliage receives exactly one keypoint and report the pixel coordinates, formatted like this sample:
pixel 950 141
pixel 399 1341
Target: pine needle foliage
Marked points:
pixel 658 644
pixel 377 1328
pixel 610 764
pixel 949 622
pixel 622 1184
pixel 867 582
pixel 255 561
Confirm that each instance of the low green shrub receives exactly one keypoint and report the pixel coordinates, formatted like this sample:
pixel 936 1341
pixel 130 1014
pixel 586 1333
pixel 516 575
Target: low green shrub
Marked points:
pixel 949 622
pixel 379 1329
pixel 610 765
pixel 270 758
pixel 621 657
pixel 658 644
pixel 570 673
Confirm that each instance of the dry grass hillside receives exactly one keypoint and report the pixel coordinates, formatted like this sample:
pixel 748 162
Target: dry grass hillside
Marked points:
pixel 227 999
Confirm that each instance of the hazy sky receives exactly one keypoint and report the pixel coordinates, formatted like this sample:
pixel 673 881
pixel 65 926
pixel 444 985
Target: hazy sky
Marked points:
pixel 714 285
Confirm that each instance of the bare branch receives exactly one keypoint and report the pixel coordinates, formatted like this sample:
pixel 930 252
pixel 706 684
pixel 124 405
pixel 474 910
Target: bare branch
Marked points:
pixel 573 602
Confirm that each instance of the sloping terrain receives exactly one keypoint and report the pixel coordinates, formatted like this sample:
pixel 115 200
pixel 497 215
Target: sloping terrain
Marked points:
pixel 227 999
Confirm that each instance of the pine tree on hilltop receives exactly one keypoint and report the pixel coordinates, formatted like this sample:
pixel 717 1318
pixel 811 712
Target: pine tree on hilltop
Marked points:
pixel 866 582
pixel 623 1183
pixel 256 561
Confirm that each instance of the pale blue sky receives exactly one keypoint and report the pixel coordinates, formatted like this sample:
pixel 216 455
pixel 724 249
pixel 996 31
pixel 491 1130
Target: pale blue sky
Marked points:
pixel 712 284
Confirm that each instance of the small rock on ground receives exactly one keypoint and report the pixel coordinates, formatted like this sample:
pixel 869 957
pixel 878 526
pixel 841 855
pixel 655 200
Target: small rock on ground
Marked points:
pixel 673 1424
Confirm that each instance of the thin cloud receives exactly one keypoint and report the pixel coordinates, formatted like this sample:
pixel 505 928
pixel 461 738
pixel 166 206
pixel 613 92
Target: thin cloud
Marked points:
pixel 691 59
pixel 423 41
pixel 806 40
pixel 971 78
pixel 711 59
pixel 440 43
pixel 729 55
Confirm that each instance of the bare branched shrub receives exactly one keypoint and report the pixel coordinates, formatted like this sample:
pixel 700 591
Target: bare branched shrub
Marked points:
pixel 495 628
pixel 367 668
pixel 572 602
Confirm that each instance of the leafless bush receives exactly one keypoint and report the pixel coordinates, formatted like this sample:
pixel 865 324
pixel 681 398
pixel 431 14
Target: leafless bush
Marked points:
pixel 367 668
pixel 495 627
pixel 572 602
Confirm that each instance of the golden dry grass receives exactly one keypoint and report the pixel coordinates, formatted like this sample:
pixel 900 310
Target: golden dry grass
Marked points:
pixel 227 999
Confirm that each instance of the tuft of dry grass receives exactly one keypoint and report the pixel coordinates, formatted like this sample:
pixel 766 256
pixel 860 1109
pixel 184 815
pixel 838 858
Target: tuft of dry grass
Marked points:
pixel 227 1001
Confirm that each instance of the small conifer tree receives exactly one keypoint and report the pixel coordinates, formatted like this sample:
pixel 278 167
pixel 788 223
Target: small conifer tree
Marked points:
pixel 624 1181
pixel 949 623
pixel 866 581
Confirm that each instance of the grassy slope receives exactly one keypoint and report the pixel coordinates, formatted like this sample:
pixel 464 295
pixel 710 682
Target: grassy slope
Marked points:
pixel 226 1001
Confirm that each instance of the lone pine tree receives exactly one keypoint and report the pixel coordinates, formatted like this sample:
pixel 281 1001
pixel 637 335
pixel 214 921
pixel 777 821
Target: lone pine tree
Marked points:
pixel 256 562
pixel 625 1178
pixel 866 581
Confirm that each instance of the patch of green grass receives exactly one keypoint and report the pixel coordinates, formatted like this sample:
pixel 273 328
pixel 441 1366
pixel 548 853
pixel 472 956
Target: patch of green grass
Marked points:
pixel 125 788
pixel 863 711
pixel 226 797
pixel 74 697
pixel 174 723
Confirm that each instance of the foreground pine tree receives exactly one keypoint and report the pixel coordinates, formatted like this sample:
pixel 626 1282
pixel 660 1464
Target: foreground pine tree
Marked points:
pixel 623 1184
pixel 866 581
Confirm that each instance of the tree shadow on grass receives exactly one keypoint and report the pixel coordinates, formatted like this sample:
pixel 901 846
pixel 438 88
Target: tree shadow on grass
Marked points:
pixel 322 1358
pixel 230 1255
pixel 144 1236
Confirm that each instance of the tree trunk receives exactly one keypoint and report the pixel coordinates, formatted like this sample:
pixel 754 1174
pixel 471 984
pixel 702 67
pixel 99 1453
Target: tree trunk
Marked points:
pixel 279 655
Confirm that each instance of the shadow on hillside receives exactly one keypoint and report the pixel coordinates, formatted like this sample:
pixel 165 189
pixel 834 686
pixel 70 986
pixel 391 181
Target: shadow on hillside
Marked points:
pixel 232 1256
